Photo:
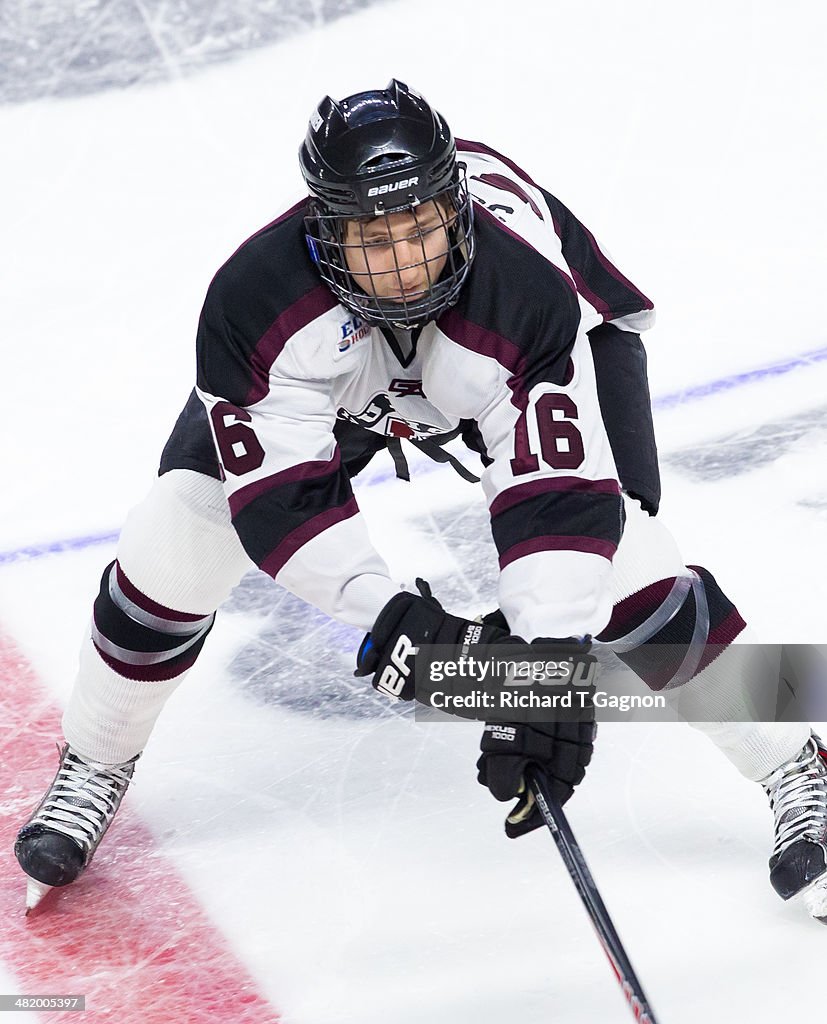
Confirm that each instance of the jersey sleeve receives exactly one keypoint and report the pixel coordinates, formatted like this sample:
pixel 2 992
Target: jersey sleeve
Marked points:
pixel 289 495
pixel 555 503
pixel 552 487
pixel 509 193
pixel 596 275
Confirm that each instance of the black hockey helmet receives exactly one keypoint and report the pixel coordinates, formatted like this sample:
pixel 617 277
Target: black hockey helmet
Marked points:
pixel 371 155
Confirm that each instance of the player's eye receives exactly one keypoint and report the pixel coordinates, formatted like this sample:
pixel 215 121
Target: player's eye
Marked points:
pixel 435 224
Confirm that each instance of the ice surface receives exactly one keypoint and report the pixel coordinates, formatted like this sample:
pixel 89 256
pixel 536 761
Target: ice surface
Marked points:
pixel 345 851
pixel 73 49
pixel 734 454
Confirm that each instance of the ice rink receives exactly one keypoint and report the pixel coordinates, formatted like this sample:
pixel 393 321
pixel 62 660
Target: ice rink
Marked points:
pixel 294 848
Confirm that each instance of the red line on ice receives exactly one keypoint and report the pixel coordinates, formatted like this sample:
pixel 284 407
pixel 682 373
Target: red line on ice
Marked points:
pixel 129 934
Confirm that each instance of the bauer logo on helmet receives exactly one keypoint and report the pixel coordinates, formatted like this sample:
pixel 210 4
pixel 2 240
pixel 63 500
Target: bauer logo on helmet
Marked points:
pixel 380 190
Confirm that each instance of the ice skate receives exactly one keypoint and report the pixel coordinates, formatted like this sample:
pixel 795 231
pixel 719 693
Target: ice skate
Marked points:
pixel 798 796
pixel 59 840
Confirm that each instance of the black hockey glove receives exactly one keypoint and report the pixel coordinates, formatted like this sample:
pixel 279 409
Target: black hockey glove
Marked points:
pixel 561 750
pixel 407 622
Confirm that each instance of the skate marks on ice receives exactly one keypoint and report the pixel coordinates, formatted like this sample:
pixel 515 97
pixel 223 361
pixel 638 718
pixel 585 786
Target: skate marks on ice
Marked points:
pixel 129 934
pixel 297 658
pixel 737 453
pixel 50 48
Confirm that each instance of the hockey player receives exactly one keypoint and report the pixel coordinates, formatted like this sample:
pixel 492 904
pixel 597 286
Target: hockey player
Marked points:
pixel 425 289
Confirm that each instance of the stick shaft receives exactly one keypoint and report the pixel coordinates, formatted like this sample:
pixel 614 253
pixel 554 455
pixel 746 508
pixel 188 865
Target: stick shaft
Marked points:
pixel 578 869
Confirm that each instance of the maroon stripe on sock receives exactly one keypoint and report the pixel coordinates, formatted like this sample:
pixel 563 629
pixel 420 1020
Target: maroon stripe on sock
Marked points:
pixel 588 545
pixel 629 613
pixel 728 630
pixel 656 663
pixel 148 605
pixel 159 673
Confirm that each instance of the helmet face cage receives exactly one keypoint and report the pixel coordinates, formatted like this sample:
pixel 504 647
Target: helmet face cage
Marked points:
pixel 332 237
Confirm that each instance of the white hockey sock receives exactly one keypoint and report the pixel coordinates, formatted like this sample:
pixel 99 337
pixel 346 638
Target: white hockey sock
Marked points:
pixel 730 688
pixel 110 718
pixel 178 549
pixel 756 748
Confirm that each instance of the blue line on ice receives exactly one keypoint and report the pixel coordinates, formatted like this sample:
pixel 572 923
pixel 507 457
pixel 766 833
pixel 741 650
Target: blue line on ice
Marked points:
pixel 670 401
pixel 57 547
pixel 737 380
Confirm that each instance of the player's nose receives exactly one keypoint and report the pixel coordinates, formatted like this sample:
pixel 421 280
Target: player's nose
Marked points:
pixel 409 251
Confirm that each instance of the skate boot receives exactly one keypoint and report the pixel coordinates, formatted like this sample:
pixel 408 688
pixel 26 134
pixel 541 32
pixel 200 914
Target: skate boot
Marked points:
pixel 798 797
pixel 58 841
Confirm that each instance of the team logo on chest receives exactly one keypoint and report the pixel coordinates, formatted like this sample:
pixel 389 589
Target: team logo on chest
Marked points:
pixel 351 331
pixel 379 415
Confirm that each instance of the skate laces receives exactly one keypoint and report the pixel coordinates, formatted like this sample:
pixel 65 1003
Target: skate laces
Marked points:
pixel 83 798
pixel 798 797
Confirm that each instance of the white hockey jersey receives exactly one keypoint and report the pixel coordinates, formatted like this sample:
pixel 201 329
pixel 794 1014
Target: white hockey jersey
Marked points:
pixel 280 361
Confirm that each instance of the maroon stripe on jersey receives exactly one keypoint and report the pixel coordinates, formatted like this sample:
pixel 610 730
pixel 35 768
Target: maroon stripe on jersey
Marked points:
pixel 507 185
pixel 523 492
pixel 533 339
pixel 274 562
pixel 269 346
pixel 479 147
pixel 148 605
pixel 480 211
pixel 587 545
pixel 304 471
pixel 602 307
pixel 479 339
pixel 159 673
pixel 610 268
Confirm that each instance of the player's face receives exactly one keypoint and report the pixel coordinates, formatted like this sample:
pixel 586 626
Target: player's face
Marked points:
pixel 399 256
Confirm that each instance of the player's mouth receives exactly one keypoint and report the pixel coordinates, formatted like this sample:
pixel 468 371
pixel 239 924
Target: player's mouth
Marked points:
pixel 406 294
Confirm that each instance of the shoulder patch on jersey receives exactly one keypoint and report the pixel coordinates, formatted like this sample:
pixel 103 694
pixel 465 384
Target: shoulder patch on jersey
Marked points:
pixel 350 332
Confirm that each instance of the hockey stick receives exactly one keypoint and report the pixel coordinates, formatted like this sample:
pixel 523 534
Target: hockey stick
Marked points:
pixel 572 855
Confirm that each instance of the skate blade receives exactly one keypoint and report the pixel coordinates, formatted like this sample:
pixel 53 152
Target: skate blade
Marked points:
pixel 814 898
pixel 35 891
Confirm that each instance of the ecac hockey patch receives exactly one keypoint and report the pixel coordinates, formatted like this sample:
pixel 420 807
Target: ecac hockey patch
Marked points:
pixel 351 331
